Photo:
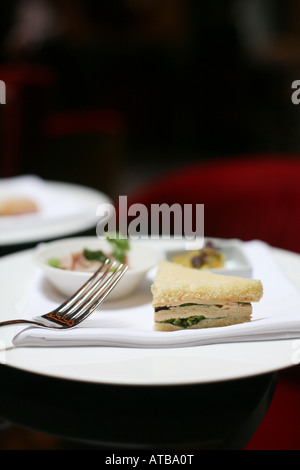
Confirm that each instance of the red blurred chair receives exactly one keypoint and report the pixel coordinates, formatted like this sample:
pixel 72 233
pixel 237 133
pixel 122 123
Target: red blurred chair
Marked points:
pixel 28 124
pixel 248 198
pixel 18 78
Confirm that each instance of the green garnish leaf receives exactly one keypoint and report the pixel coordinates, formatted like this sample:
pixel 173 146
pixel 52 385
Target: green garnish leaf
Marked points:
pixel 185 322
pixel 202 305
pixel 120 246
pixel 97 255
pixel 54 262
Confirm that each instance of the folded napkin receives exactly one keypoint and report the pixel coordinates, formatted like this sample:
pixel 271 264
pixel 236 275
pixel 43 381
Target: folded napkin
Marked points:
pixel 51 205
pixel 129 322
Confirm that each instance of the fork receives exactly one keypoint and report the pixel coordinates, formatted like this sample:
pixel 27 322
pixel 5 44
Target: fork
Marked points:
pixel 83 302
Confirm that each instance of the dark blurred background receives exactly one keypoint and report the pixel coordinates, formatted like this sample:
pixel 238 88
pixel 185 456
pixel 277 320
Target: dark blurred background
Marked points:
pixel 111 93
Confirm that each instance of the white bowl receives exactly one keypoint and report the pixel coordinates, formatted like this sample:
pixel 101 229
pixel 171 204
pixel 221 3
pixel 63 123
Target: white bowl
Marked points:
pixel 140 260
pixel 236 262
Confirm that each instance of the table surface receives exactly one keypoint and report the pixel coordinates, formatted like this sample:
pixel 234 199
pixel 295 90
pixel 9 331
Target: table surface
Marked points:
pixel 210 416
pixel 108 416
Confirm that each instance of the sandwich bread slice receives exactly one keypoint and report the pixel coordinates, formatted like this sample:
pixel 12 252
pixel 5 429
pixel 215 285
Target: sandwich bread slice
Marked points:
pixel 186 298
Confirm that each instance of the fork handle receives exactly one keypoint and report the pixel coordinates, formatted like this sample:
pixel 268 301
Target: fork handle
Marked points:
pixel 14 322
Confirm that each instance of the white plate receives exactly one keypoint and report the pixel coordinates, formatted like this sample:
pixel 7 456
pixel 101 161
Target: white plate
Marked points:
pixel 80 220
pixel 129 366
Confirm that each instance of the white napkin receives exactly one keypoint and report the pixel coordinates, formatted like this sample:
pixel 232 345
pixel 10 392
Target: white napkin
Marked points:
pixel 129 322
pixel 51 206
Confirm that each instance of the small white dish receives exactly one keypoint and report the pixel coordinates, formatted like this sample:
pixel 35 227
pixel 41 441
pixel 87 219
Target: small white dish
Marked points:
pixel 236 262
pixel 140 260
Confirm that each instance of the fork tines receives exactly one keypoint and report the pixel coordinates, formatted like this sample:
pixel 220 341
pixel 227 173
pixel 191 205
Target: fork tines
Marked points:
pixel 94 291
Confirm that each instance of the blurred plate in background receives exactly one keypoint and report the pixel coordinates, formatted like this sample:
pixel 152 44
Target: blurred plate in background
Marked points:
pixel 76 213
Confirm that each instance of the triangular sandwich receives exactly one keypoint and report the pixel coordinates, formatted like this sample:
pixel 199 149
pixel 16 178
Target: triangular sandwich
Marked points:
pixel 186 298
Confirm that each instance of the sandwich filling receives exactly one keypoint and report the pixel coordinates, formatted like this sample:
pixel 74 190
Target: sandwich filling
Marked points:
pixel 202 315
